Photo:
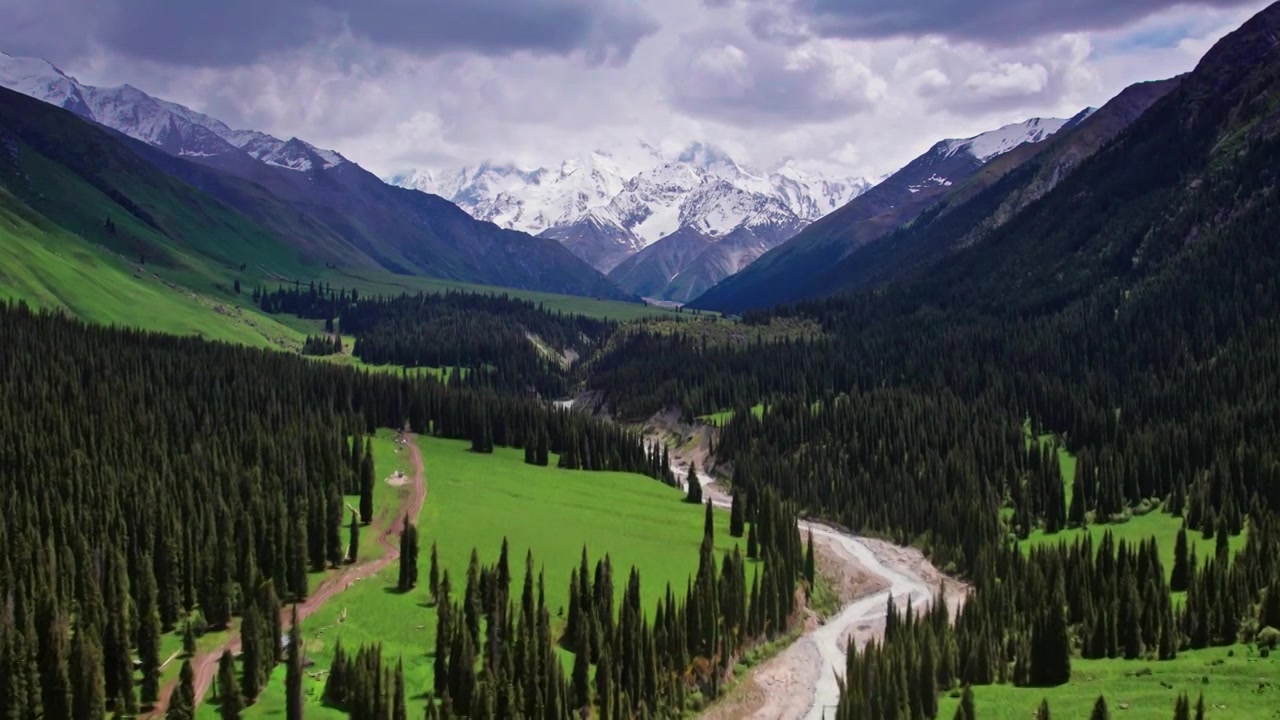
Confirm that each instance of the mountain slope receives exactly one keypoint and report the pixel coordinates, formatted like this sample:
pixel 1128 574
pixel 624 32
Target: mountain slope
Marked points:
pixel 89 226
pixel 648 272
pixel 1189 187
pixel 332 211
pixel 990 198
pixel 784 273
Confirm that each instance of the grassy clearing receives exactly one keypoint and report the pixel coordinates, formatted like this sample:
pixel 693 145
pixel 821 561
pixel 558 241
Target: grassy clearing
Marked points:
pixel 1240 686
pixel 1153 524
pixel 722 418
pixel 477 500
pixel 373 281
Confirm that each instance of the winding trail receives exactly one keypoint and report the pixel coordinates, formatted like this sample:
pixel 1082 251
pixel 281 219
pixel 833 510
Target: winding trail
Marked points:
pixel 205 665
pixel 802 682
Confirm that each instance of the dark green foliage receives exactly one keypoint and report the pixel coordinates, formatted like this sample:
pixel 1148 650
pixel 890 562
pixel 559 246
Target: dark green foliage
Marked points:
pixel 230 701
pixel 487 335
pixel 1100 711
pixel 737 515
pixel 693 488
pixel 182 701
pixel 408 577
pixel 294 702
pixel 1042 712
pixel 366 482
pixel 353 538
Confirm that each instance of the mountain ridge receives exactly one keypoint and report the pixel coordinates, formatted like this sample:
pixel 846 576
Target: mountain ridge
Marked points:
pixel 338 211
pixel 783 273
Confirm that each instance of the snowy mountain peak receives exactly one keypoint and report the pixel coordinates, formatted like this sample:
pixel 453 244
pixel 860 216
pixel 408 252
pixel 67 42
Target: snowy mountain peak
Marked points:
pixel 708 157
pixel 997 142
pixel 636 195
pixel 174 128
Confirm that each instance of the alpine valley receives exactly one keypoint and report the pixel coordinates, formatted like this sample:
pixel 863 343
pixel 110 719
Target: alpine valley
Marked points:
pixel 994 437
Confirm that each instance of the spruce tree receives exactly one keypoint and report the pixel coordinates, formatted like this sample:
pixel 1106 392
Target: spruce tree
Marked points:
pixel 230 702
pixel 353 539
pixel 693 488
pixel 1180 575
pixel 88 700
pixel 737 515
pixel 966 710
pixel 810 565
pixel 408 557
pixel 188 640
pixel 366 483
pixel 433 577
pixel 252 654
pixel 1100 711
pixel 398 709
pixel 1042 712
pixel 182 699
pixel 148 634
pixel 293 675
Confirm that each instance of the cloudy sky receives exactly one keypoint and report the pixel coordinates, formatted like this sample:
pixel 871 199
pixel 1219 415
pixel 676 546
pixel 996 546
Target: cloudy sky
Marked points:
pixel 854 87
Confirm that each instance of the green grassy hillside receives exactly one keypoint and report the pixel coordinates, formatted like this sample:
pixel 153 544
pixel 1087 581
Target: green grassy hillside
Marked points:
pixel 46 266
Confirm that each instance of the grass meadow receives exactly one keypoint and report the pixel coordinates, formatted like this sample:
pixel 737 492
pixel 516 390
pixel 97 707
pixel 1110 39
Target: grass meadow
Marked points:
pixel 1237 684
pixel 476 501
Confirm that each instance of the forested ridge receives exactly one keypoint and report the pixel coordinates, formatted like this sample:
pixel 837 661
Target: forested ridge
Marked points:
pixel 507 344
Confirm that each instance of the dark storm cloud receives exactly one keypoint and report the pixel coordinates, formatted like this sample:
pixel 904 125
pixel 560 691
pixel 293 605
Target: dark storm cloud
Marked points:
pixel 987 21
pixel 235 32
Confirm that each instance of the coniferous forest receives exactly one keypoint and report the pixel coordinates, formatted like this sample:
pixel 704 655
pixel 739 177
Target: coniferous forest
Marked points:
pixel 1127 320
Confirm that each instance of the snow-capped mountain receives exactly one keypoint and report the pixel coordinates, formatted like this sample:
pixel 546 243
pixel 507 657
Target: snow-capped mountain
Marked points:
pixel 176 129
pixel 605 207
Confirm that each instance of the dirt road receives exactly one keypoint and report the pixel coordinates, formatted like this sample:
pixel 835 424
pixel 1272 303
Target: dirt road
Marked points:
pixel 801 682
pixel 205 665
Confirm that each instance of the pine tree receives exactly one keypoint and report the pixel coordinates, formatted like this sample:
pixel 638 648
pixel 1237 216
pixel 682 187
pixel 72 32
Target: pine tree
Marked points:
pixel 737 515
pixel 230 702
pixel 188 640
pixel 252 654
pixel 1178 579
pixel 433 578
pixel 810 566
pixel 366 483
pixel 182 699
pixel 1200 707
pixel 293 675
pixel 408 556
pixel 1100 711
pixel 353 539
pixel 398 709
pixel 693 488
pixel 1042 712
pixel 966 710
pixel 89 700
pixel 148 634
pixel 1182 708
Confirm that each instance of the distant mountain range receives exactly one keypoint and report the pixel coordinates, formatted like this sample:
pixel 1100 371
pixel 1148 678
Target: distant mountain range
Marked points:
pixel 327 209
pixel 647 219
pixel 787 272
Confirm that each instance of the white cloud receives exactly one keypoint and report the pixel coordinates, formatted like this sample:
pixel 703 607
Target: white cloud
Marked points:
pixel 756 83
